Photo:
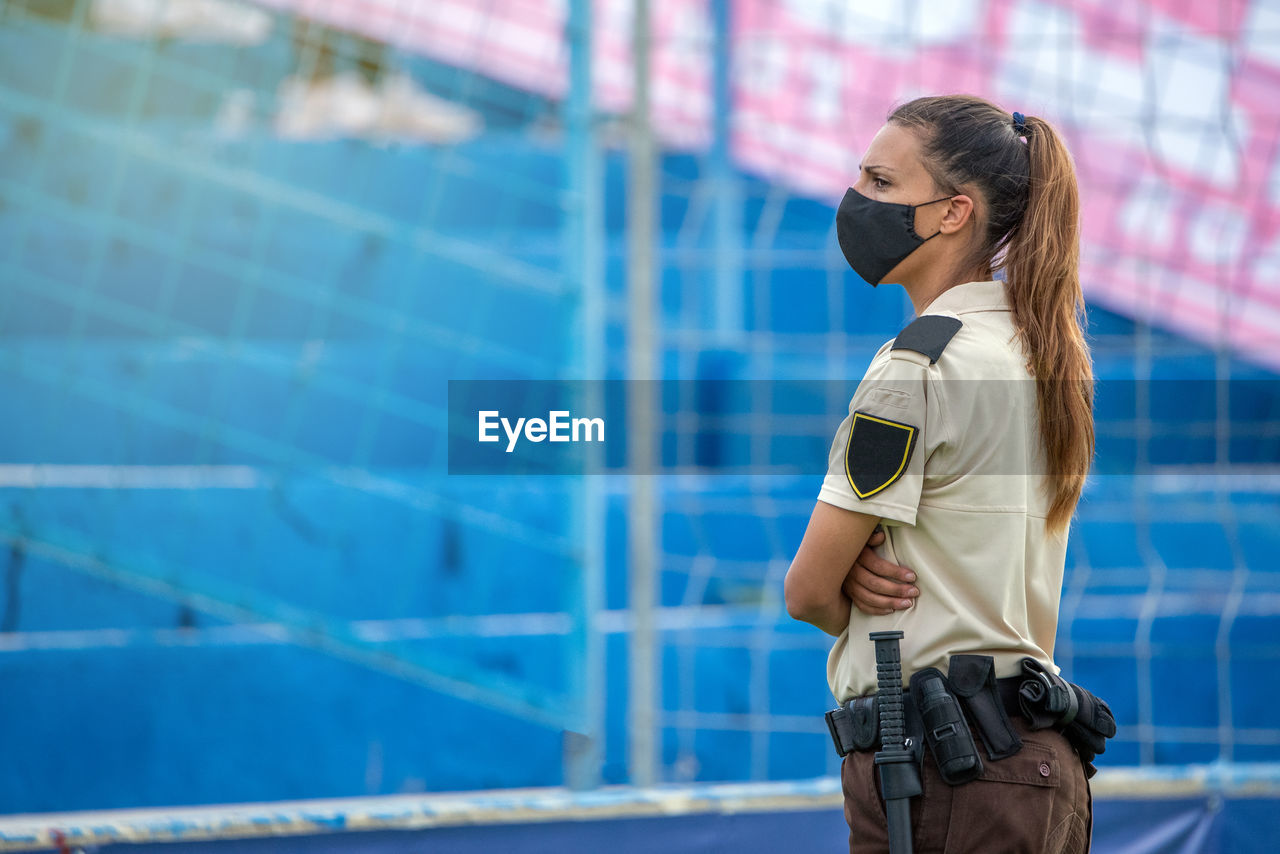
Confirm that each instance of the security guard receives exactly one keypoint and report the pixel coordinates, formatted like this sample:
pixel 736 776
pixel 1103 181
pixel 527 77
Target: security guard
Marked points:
pixel 967 442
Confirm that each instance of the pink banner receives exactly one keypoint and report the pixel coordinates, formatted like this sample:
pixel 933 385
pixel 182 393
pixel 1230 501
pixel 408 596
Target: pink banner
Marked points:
pixel 1171 108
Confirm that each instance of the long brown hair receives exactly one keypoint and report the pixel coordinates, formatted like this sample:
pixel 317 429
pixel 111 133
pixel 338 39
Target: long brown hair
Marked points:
pixel 1032 233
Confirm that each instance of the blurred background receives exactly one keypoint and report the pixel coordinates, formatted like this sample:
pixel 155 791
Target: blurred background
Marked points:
pixel 246 247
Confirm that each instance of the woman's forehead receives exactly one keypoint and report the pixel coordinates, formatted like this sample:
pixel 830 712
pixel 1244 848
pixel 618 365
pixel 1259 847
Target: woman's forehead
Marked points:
pixel 895 148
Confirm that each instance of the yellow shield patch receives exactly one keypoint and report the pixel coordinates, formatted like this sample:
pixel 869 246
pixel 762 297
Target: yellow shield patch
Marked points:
pixel 877 452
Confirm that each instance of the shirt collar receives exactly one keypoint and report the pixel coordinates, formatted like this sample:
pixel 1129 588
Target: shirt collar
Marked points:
pixel 970 297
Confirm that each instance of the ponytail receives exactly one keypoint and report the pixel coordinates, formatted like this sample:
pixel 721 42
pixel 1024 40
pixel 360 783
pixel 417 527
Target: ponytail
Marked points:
pixel 1042 275
pixel 1032 233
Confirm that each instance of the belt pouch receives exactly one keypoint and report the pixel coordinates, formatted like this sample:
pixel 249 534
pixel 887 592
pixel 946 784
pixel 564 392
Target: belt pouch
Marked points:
pixel 945 728
pixel 853 726
pixel 973 679
pixel 841 729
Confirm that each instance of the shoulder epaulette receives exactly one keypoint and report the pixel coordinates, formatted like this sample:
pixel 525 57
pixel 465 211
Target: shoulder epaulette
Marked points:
pixel 928 335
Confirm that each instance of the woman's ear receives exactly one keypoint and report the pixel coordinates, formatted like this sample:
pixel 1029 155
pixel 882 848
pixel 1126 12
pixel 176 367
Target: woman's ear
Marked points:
pixel 958 212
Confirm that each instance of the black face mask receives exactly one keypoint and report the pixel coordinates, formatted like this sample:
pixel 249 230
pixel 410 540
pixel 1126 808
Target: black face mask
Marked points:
pixel 876 236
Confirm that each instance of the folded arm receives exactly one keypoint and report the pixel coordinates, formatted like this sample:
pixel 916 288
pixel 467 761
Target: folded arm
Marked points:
pixel 814 586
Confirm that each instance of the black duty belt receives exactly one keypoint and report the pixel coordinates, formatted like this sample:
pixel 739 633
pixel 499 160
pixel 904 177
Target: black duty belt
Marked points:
pixel 866 718
pixel 939 710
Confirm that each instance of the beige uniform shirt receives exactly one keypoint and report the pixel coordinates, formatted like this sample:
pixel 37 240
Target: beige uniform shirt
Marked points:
pixel 967 513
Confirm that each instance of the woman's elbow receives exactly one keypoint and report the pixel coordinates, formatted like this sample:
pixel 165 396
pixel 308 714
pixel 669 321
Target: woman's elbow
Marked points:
pixel 799 601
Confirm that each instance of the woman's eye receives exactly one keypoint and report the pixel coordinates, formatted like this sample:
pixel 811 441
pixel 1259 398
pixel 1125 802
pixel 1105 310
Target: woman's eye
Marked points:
pixel 881 183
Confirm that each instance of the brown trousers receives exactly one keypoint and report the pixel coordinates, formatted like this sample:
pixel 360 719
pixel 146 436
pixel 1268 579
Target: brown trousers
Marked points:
pixel 1035 801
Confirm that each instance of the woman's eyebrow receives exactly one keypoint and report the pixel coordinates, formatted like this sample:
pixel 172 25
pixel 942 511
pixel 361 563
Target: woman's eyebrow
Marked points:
pixel 876 168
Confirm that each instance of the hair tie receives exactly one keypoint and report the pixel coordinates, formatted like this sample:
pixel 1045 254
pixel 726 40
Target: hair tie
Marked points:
pixel 1020 124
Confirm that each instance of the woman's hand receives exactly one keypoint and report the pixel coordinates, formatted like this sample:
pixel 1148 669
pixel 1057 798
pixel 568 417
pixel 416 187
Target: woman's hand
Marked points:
pixel 876 586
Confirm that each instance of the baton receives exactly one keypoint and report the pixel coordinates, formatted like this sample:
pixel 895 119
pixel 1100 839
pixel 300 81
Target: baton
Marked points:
pixel 899 777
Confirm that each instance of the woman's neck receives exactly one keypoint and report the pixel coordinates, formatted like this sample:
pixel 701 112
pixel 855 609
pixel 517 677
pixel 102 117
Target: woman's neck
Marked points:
pixel 925 290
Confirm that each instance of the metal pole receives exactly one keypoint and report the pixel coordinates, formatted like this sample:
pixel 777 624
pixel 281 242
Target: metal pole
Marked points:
pixel 641 433
pixel 583 254
pixel 727 300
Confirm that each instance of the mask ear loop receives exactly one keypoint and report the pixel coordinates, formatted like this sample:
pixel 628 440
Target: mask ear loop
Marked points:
pixel 923 204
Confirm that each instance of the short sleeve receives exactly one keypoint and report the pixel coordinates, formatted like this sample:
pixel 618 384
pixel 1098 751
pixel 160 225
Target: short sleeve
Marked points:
pixel 876 462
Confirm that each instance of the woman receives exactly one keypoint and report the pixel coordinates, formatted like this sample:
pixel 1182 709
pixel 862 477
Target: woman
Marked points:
pixel 967 442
